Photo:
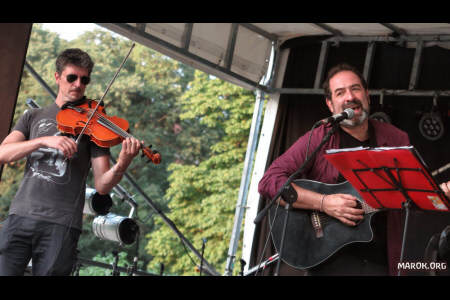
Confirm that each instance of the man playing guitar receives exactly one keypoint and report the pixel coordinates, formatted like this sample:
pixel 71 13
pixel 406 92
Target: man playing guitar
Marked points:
pixel 344 88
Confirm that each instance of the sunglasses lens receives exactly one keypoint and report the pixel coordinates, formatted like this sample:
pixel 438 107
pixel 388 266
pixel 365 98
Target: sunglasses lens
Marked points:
pixel 71 78
pixel 85 80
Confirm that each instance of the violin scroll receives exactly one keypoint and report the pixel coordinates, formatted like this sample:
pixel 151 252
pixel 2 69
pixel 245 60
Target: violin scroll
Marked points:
pixel 153 155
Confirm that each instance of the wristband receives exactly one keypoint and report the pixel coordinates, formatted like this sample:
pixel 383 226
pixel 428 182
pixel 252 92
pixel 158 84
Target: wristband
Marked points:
pixel 321 202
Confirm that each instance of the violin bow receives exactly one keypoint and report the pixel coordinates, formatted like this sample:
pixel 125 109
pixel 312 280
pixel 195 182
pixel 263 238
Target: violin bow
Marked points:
pixel 104 94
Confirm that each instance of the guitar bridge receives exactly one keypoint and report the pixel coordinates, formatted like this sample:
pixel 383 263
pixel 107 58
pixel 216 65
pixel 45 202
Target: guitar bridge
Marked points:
pixel 317 225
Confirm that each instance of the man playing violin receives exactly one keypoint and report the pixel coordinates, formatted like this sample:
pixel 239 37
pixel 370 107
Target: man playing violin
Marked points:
pixel 45 216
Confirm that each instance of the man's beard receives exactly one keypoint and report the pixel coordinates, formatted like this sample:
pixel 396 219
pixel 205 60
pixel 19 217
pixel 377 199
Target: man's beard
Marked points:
pixel 357 120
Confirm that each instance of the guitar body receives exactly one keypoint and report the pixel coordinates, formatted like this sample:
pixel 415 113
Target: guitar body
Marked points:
pixel 303 248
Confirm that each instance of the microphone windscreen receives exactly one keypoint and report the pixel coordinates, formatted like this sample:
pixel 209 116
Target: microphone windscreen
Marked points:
pixel 350 112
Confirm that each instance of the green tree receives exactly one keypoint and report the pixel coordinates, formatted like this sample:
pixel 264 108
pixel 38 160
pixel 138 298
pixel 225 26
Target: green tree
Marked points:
pixel 203 195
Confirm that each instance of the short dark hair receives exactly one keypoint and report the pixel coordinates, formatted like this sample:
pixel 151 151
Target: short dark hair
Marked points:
pixel 339 68
pixel 75 57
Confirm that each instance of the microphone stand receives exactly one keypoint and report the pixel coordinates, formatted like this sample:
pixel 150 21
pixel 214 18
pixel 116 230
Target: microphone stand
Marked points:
pixel 289 201
pixel 243 263
pixel 115 271
pixel 203 252
pixel 133 267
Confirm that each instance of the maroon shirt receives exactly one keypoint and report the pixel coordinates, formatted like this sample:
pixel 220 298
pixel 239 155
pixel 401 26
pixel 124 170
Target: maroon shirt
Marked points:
pixel 320 169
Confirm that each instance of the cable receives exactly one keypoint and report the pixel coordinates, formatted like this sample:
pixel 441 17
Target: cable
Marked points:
pixel 267 239
pixel 309 138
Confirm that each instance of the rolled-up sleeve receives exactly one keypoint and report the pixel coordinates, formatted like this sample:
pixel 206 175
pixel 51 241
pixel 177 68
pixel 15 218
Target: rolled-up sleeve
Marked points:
pixel 287 164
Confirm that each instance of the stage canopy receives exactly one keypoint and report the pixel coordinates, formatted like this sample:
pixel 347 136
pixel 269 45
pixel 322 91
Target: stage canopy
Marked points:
pixel 241 53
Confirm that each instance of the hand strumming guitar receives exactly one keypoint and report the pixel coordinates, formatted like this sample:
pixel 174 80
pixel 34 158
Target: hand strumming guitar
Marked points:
pixel 340 206
pixel 446 188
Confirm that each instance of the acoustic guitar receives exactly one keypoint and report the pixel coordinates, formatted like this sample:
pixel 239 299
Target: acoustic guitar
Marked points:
pixel 311 236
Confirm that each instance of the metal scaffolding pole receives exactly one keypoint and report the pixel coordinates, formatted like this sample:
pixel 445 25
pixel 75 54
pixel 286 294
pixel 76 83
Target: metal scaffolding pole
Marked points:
pixel 245 181
pixel 249 160
pixel 40 80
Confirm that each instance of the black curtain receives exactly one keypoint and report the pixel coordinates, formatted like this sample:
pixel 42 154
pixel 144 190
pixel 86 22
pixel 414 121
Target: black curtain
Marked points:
pixel 391 69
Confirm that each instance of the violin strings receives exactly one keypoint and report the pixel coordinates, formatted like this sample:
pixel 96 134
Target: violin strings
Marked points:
pixel 112 126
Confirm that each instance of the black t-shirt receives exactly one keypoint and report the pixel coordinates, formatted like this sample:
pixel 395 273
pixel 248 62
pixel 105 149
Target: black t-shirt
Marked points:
pixel 53 188
pixel 359 258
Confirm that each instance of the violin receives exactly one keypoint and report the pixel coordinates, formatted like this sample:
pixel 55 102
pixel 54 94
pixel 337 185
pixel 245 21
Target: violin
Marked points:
pixel 81 118
pixel 90 119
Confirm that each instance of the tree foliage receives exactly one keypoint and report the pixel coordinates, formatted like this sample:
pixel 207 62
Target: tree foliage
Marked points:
pixel 203 196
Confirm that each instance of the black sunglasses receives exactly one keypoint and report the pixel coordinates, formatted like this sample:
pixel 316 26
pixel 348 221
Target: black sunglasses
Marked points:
pixel 84 79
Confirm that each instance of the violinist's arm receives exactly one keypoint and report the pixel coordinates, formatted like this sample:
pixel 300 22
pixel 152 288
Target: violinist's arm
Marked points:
pixel 15 146
pixel 105 178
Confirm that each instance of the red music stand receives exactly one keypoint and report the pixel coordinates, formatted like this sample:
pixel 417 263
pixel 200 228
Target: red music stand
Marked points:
pixel 390 178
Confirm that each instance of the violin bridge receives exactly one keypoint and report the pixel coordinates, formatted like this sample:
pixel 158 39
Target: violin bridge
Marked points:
pixel 317 225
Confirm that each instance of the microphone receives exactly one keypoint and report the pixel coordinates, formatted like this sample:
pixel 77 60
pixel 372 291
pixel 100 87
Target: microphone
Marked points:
pixel 346 114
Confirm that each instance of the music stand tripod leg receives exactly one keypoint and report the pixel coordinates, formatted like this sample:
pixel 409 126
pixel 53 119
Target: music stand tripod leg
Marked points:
pixel 406 206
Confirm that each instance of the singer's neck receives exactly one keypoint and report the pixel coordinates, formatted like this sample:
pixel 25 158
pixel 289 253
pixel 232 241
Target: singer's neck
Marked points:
pixel 360 132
